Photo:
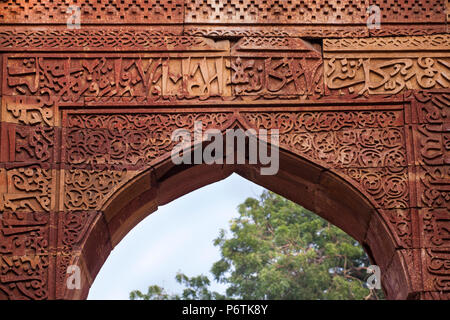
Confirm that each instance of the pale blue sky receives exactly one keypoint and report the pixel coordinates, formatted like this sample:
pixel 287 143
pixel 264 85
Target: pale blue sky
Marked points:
pixel 177 237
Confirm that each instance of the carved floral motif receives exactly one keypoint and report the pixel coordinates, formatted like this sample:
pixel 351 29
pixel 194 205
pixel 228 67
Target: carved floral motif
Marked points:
pixel 88 189
pixel 323 136
pixel 387 186
pixel 129 139
pixel 72 229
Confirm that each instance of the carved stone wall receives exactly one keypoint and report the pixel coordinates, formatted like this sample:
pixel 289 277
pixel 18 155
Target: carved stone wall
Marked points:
pixel 87 115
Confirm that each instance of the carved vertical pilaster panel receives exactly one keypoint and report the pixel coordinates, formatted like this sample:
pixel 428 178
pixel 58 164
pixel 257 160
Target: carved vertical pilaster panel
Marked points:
pixel 26 261
pixel 74 228
pixel 430 130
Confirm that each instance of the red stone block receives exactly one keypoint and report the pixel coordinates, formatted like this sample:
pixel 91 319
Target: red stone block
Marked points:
pixel 435 269
pixel 434 227
pixel 87 117
pixel 401 280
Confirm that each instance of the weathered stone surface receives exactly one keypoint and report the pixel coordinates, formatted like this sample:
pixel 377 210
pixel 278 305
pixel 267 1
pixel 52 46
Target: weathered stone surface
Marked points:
pixel 92 11
pixel 386 65
pixel 87 115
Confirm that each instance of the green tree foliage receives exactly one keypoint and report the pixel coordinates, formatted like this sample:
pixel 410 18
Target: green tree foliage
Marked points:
pixel 196 288
pixel 279 250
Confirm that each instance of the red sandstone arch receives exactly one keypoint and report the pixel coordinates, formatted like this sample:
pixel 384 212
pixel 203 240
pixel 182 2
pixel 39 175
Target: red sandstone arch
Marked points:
pixel 314 187
pixel 86 116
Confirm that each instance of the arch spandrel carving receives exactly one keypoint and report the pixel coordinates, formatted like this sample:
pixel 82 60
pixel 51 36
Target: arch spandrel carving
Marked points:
pixel 87 114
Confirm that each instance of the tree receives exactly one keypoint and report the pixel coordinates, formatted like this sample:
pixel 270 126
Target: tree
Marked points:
pixel 280 250
pixel 196 289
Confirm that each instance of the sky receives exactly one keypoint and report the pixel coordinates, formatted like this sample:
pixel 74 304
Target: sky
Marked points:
pixel 177 237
